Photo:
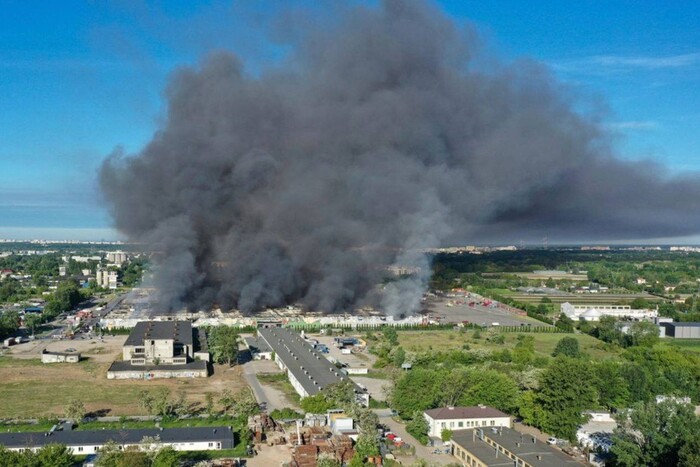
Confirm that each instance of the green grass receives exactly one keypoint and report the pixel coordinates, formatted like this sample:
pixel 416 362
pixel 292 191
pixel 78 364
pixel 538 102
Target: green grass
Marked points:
pixel 453 340
pixel 689 345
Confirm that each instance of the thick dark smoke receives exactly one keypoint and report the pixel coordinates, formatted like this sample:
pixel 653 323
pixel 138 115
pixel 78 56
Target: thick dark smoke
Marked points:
pixel 379 136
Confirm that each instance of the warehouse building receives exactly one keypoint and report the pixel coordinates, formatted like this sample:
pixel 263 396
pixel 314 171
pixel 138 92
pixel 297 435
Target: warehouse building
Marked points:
pixel 682 330
pixel 500 446
pixel 91 441
pixel 595 312
pixel 307 369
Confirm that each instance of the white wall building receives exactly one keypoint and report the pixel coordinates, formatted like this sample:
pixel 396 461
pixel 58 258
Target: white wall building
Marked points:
pixel 595 312
pixel 461 418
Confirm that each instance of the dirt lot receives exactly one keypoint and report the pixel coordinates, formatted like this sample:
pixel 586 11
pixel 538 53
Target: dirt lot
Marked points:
pixel 96 350
pixel 29 388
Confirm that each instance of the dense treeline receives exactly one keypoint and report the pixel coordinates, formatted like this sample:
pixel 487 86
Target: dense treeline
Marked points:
pixel 549 393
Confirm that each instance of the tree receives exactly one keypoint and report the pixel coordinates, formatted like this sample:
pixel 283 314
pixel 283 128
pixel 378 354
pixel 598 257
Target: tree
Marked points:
pixel 567 346
pixel 566 390
pixel 223 344
pixel 418 389
pixel 327 460
pixel 227 400
pixel 54 455
pixel 612 387
pixel 644 333
pixel 391 336
pixel 654 434
pixel 367 445
pixel 209 401
pixel 75 410
pixel 418 427
pixel 607 330
pixel 492 388
pixel 399 356
pixel 166 457
pixel 32 321
pixel 689 454
pixel 446 434
pixel 316 404
pixel 10 458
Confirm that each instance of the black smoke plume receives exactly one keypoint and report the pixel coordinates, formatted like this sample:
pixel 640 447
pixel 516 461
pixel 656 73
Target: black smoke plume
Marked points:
pixel 377 137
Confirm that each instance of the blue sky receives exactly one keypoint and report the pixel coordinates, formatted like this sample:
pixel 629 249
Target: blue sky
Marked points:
pixel 78 80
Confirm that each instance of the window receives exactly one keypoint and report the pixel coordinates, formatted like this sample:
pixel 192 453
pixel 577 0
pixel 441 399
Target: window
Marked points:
pixel 460 424
pixel 493 423
pixel 211 445
pixel 80 449
pixel 483 423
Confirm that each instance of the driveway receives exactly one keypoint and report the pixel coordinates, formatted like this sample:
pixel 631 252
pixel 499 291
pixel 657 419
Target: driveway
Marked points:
pixel 273 398
pixel 422 452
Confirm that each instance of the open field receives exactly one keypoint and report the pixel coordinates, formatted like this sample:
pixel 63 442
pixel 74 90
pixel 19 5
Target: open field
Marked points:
pixel 688 345
pixel 31 389
pixel 450 340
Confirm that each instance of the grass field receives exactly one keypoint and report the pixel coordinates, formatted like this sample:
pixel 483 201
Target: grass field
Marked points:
pixel 448 340
pixel 689 345
pixel 31 389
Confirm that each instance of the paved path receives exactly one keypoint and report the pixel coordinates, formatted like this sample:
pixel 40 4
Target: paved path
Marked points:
pixel 422 452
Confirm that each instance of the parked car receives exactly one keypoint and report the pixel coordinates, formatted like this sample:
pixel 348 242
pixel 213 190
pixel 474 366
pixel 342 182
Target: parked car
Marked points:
pixel 552 440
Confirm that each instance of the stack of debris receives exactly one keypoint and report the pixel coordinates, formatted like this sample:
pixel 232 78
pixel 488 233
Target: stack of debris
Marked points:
pixel 263 426
pixel 338 447
pixel 305 456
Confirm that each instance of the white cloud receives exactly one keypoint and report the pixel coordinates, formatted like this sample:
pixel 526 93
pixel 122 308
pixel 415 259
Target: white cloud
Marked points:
pixel 634 125
pixel 607 64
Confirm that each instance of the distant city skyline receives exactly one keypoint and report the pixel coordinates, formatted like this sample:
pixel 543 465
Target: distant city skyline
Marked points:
pixel 80 80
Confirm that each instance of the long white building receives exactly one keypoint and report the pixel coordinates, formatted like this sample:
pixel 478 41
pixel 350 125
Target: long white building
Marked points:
pixel 595 312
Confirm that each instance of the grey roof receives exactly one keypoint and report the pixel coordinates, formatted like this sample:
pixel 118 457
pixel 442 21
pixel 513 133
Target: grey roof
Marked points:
pixel 313 371
pixel 256 344
pixel 519 444
pixel 455 413
pixel 127 366
pixel 180 331
pixel 221 434
pixel 683 324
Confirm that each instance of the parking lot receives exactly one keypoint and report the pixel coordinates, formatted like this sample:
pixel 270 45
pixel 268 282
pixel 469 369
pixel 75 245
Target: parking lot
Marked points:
pixel 459 310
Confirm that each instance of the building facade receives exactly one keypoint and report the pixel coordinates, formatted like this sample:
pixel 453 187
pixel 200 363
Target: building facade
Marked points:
pixel 460 418
pixel 595 312
pixel 91 441
pixel 160 349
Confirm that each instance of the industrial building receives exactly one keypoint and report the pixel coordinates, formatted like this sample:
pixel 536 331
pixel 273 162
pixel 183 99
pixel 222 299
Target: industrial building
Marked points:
pixel 160 349
pixel 460 418
pixel 90 441
pixel 595 312
pixel 259 350
pixel 500 446
pixel 307 369
pixel 682 330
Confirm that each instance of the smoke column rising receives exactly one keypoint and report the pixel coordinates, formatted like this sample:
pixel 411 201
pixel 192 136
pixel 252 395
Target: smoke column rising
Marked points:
pixel 378 136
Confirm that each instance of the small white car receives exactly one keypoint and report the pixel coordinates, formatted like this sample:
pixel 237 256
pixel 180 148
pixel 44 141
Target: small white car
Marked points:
pixel 552 440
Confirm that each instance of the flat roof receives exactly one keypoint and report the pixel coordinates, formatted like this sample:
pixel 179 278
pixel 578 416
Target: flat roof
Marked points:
pixel 524 446
pixel 256 344
pixel 100 437
pixel 127 366
pixel 179 331
pixel 313 371
pixel 454 413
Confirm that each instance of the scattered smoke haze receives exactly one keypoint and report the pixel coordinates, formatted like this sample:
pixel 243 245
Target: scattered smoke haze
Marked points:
pixel 377 137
